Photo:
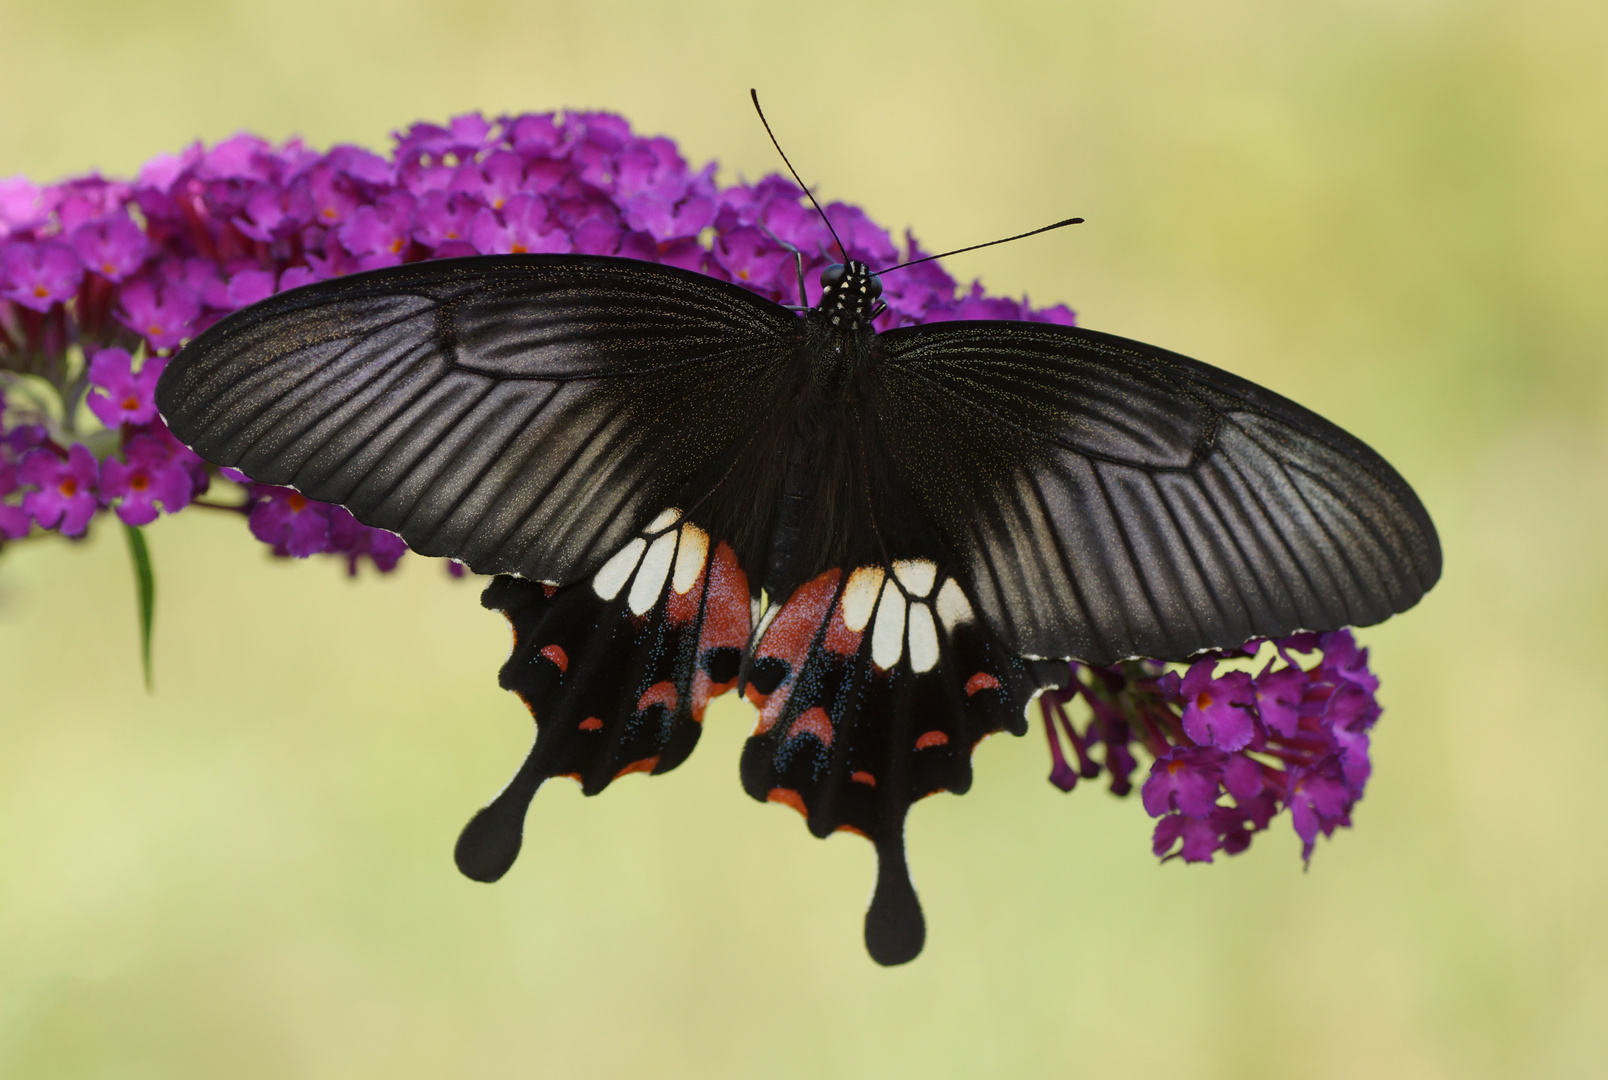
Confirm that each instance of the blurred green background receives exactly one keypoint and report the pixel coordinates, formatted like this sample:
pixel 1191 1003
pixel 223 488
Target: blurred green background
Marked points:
pixel 1395 212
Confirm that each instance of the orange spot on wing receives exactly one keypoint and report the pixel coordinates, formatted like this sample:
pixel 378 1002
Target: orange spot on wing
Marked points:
pixel 660 693
pixel 932 738
pixel 863 777
pixel 981 681
pixel 787 797
pixel 558 656
pixel 591 723
pixel 549 590
pixel 647 764
pixel 852 829
pixel 815 723
pixel 575 776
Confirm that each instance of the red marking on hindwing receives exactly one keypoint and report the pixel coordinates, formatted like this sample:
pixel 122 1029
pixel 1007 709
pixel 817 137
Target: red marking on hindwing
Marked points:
pixel 647 764
pixel 726 622
pixel 981 681
pixel 863 777
pixel 789 637
pixel 932 738
pixel 791 633
pixel 852 829
pixel 787 797
pixel 549 590
pixel 591 723
pixel 814 723
pixel 558 656
pixel 660 693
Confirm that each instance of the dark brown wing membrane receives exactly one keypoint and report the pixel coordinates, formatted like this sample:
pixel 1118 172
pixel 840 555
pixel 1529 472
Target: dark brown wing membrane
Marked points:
pixel 521 413
pixel 1109 499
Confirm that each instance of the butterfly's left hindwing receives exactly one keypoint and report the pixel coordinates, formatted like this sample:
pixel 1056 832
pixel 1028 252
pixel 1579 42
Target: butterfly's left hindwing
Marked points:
pixel 874 686
pixel 616 670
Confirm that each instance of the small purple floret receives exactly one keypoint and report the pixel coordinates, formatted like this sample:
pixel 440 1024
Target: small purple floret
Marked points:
pixel 163 315
pixel 1217 711
pixel 113 248
pixel 290 522
pixel 38 276
pixel 155 472
pixel 118 395
pixel 65 495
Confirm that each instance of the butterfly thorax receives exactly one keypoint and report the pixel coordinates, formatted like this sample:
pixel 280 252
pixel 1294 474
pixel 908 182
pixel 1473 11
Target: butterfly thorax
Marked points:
pixel 838 330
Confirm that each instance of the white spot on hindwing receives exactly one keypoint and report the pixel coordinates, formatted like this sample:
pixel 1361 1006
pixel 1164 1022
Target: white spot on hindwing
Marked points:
pixel 887 633
pixel 916 575
pixel 953 609
pixel 650 577
pixel 665 519
pixel 923 639
pixel 690 558
pixel 860 596
pixel 612 575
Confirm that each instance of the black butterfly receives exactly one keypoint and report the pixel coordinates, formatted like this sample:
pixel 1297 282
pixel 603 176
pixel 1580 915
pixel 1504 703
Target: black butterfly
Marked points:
pixel 938 514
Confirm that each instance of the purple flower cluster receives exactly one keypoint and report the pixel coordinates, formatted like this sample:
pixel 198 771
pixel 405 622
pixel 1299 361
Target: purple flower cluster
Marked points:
pixel 1230 748
pixel 121 273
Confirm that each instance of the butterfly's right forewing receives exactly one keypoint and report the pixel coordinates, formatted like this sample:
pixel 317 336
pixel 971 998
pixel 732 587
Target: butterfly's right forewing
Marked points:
pixel 1107 499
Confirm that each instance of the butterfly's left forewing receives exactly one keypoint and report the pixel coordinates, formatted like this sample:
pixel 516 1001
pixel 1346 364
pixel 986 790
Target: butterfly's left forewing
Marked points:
pixel 520 414
pixel 874 684
pixel 616 669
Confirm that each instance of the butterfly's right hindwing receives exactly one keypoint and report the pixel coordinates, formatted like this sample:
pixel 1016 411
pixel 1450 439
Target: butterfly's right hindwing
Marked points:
pixel 873 687
pixel 521 414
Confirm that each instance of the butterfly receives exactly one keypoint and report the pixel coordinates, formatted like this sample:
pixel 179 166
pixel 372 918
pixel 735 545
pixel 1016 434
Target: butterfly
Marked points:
pixel 889 542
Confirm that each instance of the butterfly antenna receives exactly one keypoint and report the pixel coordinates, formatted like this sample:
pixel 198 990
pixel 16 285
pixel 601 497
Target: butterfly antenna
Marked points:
pixel 974 247
pixel 841 249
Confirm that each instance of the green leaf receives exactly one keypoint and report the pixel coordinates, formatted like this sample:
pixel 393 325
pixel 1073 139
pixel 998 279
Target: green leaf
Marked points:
pixel 145 583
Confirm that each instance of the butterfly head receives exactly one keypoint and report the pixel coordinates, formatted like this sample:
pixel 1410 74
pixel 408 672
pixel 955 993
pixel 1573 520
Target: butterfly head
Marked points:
pixel 848 291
